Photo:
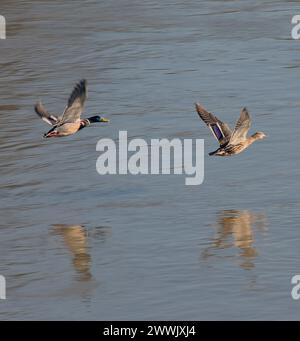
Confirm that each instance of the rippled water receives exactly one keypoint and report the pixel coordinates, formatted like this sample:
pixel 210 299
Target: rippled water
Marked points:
pixel 77 245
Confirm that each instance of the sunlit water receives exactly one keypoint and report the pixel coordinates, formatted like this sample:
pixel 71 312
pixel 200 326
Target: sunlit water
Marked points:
pixel 77 245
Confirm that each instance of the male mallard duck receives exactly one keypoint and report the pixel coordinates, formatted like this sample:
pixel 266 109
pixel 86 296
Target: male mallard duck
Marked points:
pixel 231 143
pixel 70 122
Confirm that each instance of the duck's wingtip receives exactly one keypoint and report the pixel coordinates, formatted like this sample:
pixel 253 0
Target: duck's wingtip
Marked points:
pixel 83 81
pixel 198 107
pixel 38 105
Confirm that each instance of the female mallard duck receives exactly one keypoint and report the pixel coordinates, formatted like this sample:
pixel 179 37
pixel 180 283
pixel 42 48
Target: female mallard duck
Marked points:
pixel 231 143
pixel 70 122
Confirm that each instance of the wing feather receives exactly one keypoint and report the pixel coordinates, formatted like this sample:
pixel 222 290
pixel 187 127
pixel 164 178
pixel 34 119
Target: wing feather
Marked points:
pixel 76 102
pixel 220 130
pixel 45 115
pixel 242 127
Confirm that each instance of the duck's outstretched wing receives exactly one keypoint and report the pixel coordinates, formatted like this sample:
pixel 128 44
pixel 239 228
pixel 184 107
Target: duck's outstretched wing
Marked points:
pixel 45 115
pixel 242 127
pixel 75 105
pixel 220 130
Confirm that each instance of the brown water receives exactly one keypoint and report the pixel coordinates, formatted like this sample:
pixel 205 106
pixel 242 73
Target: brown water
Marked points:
pixel 76 245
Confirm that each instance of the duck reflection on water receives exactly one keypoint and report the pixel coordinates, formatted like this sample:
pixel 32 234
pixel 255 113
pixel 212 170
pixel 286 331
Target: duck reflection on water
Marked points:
pixel 76 241
pixel 236 229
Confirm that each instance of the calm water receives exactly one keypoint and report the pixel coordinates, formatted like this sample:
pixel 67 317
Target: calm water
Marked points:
pixel 77 245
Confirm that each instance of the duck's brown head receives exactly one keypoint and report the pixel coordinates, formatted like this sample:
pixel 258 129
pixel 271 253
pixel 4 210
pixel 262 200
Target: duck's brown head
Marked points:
pixel 259 135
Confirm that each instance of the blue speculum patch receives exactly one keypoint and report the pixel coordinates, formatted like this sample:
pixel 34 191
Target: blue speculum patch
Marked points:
pixel 217 131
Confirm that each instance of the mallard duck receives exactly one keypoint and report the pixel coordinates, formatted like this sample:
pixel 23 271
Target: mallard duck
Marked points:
pixel 69 122
pixel 231 142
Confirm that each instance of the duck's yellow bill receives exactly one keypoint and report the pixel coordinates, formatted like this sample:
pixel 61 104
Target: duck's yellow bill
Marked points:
pixel 103 119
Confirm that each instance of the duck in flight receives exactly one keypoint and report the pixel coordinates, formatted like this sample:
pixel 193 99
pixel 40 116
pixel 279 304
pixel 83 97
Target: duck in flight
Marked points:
pixel 70 121
pixel 231 142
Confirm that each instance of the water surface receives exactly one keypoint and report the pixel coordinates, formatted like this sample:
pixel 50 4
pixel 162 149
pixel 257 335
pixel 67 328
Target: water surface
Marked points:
pixel 76 245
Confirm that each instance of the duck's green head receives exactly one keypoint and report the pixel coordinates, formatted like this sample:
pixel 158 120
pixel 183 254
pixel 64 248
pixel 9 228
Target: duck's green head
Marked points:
pixel 98 118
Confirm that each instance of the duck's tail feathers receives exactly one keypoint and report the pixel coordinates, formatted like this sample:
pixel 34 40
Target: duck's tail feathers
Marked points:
pixel 45 115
